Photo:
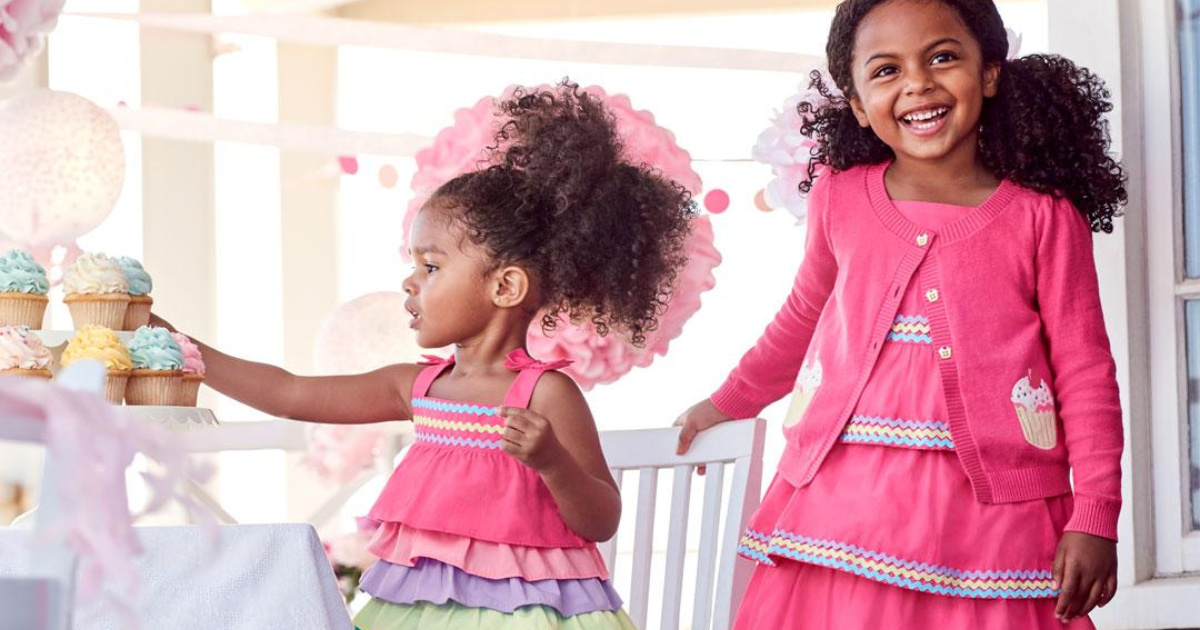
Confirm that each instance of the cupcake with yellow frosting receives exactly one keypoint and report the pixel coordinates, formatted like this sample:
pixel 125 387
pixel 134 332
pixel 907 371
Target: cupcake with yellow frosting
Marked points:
pixel 97 292
pixel 140 285
pixel 23 289
pixel 157 376
pixel 103 345
pixel 22 353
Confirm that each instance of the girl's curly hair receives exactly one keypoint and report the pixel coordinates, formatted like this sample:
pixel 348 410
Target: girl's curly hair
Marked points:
pixel 1044 129
pixel 603 238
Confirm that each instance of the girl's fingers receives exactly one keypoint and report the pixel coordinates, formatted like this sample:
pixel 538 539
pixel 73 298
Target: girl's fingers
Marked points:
pixel 1093 598
pixel 1110 590
pixel 1066 599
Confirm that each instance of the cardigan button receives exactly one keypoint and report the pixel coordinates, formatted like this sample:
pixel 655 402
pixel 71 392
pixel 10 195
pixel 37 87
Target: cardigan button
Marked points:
pixel 922 240
pixel 933 295
pixel 945 352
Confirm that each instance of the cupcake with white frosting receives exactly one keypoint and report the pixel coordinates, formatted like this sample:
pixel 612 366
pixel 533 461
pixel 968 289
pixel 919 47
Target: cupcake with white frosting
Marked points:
pixel 97 292
pixel 22 353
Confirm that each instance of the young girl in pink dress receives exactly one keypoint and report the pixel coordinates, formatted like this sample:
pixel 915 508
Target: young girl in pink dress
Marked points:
pixel 490 520
pixel 944 341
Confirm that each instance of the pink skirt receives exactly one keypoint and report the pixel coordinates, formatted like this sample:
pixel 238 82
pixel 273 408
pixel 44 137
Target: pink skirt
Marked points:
pixel 889 537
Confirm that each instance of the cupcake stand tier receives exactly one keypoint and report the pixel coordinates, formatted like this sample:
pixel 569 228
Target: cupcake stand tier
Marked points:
pixel 174 418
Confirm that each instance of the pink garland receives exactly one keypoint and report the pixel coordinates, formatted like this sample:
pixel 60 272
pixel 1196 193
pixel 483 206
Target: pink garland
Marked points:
pixel 596 360
pixel 24 25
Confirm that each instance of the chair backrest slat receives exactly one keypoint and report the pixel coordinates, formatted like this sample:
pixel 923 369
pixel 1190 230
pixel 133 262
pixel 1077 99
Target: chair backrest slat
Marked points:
pixel 720 581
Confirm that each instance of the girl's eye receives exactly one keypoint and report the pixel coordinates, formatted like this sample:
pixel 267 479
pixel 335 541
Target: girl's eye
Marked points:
pixel 884 72
pixel 943 57
pixel 430 268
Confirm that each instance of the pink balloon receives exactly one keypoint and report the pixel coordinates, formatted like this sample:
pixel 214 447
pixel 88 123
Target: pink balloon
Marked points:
pixel 64 166
pixel 716 201
pixel 365 334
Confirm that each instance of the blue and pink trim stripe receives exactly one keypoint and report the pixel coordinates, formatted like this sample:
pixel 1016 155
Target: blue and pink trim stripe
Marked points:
pixel 918 434
pixel 457 425
pixel 918 576
pixel 911 329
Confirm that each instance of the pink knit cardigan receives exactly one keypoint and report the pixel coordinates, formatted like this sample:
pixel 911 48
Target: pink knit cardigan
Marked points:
pixel 1013 301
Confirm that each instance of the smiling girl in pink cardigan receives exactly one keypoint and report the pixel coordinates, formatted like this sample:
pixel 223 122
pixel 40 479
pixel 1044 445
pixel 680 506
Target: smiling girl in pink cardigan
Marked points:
pixel 944 342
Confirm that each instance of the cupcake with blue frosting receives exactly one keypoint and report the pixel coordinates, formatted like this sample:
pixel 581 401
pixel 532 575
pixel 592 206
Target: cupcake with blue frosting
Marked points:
pixel 137 314
pixel 157 376
pixel 23 289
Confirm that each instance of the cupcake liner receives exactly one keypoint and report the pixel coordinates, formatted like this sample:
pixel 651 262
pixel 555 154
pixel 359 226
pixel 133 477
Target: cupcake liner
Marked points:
pixel 1038 427
pixel 101 309
pixel 22 309
pixel 189 390
pixel 153 387
pixel 114 386
pixel 138 312
pixel 24 373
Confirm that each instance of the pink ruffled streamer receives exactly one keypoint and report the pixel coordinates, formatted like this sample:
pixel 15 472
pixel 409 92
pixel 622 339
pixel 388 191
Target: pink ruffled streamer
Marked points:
pixel 24 25
pixel 93 443
pixel 595 359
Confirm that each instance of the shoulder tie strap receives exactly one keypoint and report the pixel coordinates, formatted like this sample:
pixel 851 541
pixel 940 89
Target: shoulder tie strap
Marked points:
pixel 436 365
pixel 530 372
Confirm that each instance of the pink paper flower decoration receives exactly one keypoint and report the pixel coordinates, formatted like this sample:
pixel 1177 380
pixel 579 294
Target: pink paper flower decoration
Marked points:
pixel 596 360
pixel 788 151
pixel 24 25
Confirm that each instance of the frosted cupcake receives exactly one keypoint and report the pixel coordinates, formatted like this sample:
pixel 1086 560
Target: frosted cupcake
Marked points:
pixel 140 285
pixel 22 353
pixel 807 384
pixel 97 292
pixel 193 371
pixel 1035 410
pixel 23 288
pixel 157 373
pixel 103 345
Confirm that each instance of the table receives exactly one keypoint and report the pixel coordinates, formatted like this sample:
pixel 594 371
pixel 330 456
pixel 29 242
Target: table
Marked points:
pixel 255 577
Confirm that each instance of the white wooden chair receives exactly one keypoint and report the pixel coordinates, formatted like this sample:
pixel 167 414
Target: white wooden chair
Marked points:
pixel 48 587
pixel 720 578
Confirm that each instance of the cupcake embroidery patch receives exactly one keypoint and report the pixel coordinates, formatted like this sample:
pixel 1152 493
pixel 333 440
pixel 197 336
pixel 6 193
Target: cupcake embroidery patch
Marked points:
pixel 807 384
pixel 1035 411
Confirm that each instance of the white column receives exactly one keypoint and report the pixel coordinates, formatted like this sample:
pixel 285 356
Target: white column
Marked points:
pixel 309 205
pixel 177 191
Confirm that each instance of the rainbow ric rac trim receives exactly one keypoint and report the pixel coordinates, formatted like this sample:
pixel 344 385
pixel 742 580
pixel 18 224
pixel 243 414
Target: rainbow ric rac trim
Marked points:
pixel 899 572
pixel 918 434
pixel 911 329
pixel 457 424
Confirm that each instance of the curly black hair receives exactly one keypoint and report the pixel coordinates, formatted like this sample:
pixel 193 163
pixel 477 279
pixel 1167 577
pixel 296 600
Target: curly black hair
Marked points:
pixel 1044 129
pixel 603 238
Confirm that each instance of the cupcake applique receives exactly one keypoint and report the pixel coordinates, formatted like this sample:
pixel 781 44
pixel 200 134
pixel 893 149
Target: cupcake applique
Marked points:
pixel 807 384
pixel 1035 411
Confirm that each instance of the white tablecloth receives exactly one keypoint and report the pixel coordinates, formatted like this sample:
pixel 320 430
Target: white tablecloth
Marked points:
pixel 256 577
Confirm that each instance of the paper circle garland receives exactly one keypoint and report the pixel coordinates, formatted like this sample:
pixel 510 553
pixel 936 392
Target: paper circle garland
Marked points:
pixel 597 360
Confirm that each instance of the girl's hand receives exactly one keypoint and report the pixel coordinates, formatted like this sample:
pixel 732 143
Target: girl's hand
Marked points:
pixel 700 417
pixel 529 437
pixel 1085 568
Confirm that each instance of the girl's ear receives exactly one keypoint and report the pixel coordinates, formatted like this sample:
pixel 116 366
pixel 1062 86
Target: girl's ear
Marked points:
pixel 510 287
pixel 860 112
pixel 991 80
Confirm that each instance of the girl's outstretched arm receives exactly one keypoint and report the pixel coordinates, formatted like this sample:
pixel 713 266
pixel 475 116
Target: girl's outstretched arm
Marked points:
pixel 557 437
pixel 372 397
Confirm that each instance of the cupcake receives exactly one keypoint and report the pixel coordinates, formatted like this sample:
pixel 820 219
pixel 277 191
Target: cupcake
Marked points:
pixel 193 371
pixel 22 353
pixel 23 288
pixel 103 345
pixel 96 292
pixel 807 384
pixel 140 285
pixel 1035 410
pixel 157 368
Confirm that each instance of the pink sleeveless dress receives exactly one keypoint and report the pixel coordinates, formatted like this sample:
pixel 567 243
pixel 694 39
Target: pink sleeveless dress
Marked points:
pixel 889 534
pixel 469 537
